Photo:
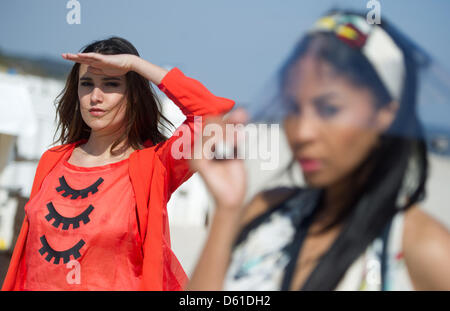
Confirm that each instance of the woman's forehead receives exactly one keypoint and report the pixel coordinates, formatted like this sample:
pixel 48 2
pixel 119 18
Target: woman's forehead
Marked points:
pixel 84 74
pixel 311 78
pixel 310 69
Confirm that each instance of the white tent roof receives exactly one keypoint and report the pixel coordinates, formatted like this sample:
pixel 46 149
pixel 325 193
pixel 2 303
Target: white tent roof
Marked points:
pixel 17 116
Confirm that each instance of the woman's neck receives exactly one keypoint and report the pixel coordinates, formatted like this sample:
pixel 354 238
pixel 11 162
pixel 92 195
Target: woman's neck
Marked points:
pixel 333 201
pixel 341 194
pixel 99 145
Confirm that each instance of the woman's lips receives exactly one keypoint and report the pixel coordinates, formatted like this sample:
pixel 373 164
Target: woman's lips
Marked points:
pixel 96 112
pixel 310 165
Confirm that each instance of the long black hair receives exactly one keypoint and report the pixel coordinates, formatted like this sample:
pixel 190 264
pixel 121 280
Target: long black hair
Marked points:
pixel 396 170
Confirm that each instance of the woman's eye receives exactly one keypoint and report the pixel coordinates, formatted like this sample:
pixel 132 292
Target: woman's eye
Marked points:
pixel 113 84
pixel 291 106
pixel 108 84
pixel 327 110
pixel 85 83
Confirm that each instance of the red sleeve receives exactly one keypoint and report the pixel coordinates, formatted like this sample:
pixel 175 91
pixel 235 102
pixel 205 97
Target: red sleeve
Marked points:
pixel 192 97
pixel 195 101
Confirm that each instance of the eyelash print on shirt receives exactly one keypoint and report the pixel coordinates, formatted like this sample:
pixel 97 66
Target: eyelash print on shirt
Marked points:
pixel 67 221
pixel 65 255
pixel 67 190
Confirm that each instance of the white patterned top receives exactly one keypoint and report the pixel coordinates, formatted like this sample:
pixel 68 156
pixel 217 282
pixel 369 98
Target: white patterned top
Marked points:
pixel 260 256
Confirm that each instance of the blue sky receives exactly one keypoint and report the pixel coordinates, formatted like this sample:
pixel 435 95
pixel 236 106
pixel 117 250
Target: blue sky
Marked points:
pixel 232 46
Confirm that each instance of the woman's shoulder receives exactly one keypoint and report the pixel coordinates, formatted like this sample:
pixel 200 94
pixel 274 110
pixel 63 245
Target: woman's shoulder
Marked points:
pixel 265 201
pixel 54 154
pixel 419 226
pixel 426 247
pixel 57 150
pixel 63 147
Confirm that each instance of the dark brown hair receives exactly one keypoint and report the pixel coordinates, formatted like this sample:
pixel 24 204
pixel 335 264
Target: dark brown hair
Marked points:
pixel 143 111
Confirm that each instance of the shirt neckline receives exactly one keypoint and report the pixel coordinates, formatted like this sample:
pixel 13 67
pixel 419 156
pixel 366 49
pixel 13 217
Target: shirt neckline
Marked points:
pixel 91 168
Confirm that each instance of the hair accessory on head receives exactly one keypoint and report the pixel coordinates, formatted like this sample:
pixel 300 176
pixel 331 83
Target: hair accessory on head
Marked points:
pixel 378 47
pixel 399 62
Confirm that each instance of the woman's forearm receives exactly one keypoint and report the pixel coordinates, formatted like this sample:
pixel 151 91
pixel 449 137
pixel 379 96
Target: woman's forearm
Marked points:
pixel 191 96
pixel 150 71
pixel 212 265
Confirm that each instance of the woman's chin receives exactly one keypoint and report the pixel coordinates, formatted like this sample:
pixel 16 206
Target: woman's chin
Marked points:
pixel 105 128
pixel 98 124
pixel 95 127
pixel 316 180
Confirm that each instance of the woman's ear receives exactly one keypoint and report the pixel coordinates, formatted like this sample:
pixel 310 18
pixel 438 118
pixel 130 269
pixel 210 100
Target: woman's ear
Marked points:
pixel 386 115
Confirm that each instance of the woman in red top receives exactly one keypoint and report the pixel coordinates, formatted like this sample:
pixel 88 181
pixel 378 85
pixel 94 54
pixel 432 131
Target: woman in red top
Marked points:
pixel 97 218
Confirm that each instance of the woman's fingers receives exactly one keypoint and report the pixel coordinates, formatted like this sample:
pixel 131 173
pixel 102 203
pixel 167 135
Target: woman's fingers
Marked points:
pixel 219 164
pixel 84 58
pixel 237 116
pixel 91 56
pixel 220 138
pixel 78 59
pixel 68 56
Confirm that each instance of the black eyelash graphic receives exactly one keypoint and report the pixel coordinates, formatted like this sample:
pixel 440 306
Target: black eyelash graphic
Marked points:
pixel 65 255
pixel 77 193
pixel 67 221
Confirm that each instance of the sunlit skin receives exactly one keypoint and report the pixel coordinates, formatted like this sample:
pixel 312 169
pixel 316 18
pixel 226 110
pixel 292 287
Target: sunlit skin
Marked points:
pixel 334 126
pixel 102 86
pixel 106 93
pixel 102 104
pixel 331 128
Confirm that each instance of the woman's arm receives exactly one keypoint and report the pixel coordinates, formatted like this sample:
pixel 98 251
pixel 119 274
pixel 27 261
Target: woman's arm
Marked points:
pixel 426 247
pixel 213 262
pixel 194 100
pixel 226 181
pixel 188 94
pixel 118 65
pixel 150 71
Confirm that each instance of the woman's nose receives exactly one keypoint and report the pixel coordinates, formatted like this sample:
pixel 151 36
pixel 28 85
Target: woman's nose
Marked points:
pixel 96 95
pixel 306 129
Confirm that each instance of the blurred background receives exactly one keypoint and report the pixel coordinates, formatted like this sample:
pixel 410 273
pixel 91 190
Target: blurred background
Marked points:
pixel 233 47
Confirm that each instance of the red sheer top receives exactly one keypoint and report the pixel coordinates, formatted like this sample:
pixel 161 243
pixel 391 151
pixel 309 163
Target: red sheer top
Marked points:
pixel 154 174
pixel 83 232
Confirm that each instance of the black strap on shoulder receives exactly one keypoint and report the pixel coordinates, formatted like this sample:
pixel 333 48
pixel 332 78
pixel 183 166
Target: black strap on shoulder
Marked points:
pixel 294 249
pixel 384 254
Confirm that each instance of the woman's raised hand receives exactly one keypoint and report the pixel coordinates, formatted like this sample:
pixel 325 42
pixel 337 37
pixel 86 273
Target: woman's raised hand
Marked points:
pixel 224 178
pixel 109 65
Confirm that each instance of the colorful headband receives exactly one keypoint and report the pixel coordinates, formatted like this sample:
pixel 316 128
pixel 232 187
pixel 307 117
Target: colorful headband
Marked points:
pixel 378 47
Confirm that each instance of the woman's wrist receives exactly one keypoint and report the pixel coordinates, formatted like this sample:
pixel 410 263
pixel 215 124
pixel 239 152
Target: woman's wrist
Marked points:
pixel 134 63
pixel 150 71
pixel 227 210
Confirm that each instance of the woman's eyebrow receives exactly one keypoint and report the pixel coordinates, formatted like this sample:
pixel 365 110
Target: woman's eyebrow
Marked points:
pixel 111 79
pixel 325 97
pixel 104 79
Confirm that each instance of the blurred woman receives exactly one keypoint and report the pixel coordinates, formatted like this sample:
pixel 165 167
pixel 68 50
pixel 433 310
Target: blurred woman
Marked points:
pixel 348 104
pixel 97 218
